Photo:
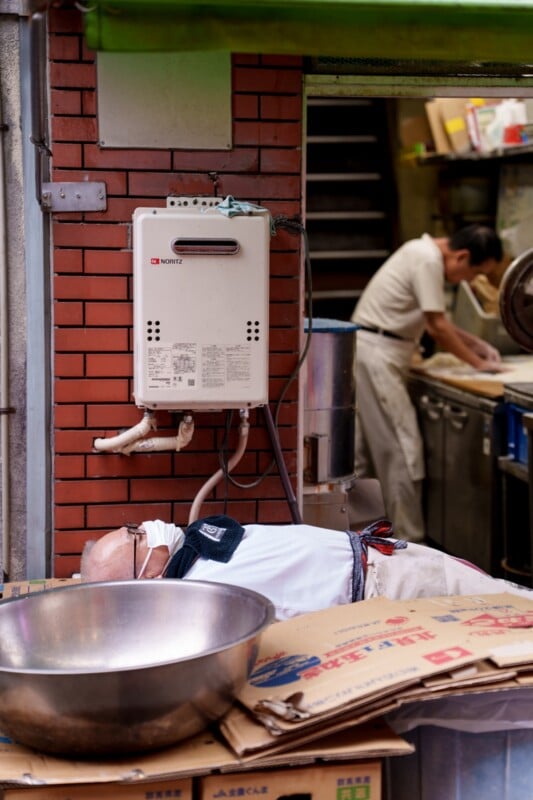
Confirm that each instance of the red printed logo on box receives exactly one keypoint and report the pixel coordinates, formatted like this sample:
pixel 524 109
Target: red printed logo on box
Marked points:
pixel 447 655
pixel 511 621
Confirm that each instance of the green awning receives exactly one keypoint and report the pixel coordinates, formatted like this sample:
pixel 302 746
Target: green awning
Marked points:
pixel 467 31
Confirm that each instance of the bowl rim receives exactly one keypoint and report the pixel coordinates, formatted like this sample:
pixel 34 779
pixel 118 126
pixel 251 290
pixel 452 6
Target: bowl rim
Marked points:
pixel 269 617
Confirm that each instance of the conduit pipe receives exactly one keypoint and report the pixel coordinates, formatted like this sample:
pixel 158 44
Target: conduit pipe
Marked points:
pixel 116 444
pixel 155 443
pixel 133 440
pixel 4 366
pixel 209 485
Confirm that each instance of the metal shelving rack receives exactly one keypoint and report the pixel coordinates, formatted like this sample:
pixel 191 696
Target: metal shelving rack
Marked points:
pixel 348 198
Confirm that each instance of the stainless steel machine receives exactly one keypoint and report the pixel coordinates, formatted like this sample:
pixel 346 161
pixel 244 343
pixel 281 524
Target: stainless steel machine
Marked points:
pixel 516 309
pixel 329 422
pixel 333 497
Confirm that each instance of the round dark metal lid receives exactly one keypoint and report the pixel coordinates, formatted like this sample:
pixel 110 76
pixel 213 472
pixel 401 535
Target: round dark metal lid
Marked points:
pixel 516 300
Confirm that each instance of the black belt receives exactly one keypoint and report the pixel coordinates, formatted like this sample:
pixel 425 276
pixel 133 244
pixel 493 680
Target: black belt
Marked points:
pixel 389 334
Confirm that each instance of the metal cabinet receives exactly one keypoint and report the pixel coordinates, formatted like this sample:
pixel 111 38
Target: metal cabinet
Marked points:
pixel 462 436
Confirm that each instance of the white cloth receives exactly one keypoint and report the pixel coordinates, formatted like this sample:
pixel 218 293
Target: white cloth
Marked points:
pixel 163 533
pixel 408 284
pixel 420 571
pixel 302 568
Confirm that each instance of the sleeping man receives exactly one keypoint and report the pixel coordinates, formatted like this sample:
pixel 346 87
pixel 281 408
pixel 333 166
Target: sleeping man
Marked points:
pixel 300 568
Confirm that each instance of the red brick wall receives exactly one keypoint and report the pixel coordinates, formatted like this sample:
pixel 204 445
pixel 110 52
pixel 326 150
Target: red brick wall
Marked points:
pixel 92 312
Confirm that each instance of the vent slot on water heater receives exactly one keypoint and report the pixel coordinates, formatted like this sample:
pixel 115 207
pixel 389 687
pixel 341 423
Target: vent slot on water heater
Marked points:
pixel 205 247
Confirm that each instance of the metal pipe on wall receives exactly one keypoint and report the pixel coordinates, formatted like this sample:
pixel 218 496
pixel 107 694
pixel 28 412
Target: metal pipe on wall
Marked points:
pixel 38 107
pixel 38 536
pixel 4 364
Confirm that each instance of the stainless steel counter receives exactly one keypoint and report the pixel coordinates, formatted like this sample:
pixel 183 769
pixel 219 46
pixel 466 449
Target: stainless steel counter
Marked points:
pixel 478 498
pixel 463 438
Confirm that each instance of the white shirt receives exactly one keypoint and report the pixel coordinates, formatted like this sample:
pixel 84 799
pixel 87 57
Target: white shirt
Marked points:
pixel 301 568
pixel 408 284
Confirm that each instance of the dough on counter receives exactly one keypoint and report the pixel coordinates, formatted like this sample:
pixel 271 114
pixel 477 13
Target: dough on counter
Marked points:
pixel 440 361
pixel 518 369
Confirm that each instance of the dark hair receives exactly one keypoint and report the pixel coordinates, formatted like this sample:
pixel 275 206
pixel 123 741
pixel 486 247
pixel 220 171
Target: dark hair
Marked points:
pixel 481 242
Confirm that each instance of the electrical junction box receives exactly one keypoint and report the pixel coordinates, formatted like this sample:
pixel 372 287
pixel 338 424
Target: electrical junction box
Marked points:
pixel 200 306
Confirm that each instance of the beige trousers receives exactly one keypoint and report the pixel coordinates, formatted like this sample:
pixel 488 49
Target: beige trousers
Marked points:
pixel 388 444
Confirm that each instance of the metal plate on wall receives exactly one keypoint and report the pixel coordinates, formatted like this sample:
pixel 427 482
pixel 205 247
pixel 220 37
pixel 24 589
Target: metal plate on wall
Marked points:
pixel 74 196
pixel 165 100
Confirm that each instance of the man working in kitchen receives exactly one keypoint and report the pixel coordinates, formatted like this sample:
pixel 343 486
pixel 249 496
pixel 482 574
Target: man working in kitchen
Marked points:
pixel 404 299
pixel 300 568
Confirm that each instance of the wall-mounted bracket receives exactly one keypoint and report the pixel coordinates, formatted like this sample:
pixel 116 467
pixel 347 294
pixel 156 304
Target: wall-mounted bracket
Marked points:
pixel 72 196
pixel 22 8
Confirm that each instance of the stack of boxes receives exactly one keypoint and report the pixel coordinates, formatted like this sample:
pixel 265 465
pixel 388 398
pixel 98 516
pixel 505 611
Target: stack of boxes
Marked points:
pixel 463 125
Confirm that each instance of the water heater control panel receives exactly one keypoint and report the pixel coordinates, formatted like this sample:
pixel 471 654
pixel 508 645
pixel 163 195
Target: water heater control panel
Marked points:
pixel 200 306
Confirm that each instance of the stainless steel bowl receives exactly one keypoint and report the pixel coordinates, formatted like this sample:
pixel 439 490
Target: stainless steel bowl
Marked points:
pixel 121 667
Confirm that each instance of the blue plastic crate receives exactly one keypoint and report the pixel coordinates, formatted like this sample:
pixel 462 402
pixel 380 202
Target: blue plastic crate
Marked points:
pixel 517 439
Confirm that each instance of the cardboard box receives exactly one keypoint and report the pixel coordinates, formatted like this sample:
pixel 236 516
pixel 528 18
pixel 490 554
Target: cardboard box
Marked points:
pixel 440 139
pixel 357 781
pixel 447 117
pixel 21 588
pixel 171 789
pixel 453 115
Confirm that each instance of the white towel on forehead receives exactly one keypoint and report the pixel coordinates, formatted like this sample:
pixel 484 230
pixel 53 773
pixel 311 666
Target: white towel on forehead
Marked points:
pixel 163 533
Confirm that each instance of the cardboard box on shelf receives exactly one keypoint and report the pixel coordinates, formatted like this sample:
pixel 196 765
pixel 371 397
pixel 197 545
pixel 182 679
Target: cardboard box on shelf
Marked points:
pixel 440 139
pixel 357 781
pixel 450 125
pixel 453 115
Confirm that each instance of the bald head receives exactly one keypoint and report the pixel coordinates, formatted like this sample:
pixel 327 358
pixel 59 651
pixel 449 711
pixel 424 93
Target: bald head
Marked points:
pixel 112 558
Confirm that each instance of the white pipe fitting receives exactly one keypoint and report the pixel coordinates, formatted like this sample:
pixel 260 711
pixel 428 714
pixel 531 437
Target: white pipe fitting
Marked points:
pixel 117 444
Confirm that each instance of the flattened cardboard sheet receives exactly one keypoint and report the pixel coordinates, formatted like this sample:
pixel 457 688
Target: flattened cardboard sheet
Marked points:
pixel 200 755
pixel 321 666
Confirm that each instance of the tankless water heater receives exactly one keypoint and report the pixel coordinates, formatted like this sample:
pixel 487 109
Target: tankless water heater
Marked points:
pixel 200 306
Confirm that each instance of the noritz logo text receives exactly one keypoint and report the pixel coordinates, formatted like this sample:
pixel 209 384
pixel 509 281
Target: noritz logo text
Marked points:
pixel 166 261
